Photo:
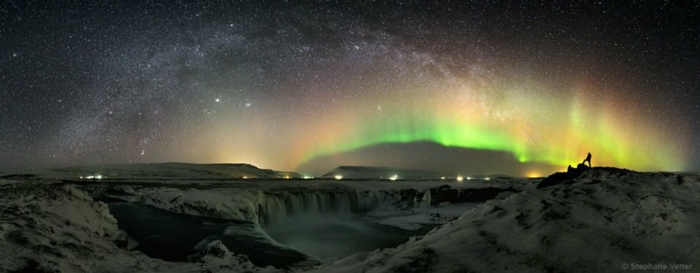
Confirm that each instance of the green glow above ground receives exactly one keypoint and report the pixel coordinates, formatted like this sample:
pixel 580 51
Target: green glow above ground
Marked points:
pixel 546 131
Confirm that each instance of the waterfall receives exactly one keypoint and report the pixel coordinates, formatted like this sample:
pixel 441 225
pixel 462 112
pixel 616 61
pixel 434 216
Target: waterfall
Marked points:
pixel 271 206
pixel 277 205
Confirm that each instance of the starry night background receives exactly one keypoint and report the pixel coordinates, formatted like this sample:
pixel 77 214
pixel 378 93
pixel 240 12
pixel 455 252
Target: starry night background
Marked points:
pixel 513 88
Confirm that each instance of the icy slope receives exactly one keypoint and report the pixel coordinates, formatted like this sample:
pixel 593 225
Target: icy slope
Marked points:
pixel 601 221
pixel 52 227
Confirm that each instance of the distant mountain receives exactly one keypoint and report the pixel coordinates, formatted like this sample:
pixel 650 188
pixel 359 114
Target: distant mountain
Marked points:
pixel 155 171
pixel 364 172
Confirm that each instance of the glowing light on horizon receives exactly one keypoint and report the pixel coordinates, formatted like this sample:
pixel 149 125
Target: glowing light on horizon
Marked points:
pixel 96 176
pixel 533 174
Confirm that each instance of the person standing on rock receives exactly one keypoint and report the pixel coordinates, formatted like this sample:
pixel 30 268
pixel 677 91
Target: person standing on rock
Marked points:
pixel 588 158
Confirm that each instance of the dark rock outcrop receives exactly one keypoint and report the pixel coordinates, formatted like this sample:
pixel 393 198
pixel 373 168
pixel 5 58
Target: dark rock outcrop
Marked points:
pixel 563 177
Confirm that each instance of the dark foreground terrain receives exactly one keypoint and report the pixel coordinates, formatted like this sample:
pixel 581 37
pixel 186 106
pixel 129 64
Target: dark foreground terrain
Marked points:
pixel 599 220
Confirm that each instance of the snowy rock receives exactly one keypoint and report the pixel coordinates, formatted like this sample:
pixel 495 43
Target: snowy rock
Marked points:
pixel 215 248
pixel 216 254
pixel 217 203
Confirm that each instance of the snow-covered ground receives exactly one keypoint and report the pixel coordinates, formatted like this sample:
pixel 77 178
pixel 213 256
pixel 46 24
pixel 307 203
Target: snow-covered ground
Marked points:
pixel 606 220
pixel 55 227
pixel 599 221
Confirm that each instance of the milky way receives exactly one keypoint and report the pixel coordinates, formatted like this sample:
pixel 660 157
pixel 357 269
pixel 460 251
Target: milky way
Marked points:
pixel 516 89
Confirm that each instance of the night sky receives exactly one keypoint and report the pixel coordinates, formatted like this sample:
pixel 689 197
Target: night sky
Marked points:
pixel 522 89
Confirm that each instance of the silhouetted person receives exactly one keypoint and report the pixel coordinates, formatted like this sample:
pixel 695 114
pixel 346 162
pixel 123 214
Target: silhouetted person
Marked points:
pixel 588 158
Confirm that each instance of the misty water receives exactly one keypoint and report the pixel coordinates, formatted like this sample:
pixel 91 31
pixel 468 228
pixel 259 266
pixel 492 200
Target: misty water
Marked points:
pixel 175 237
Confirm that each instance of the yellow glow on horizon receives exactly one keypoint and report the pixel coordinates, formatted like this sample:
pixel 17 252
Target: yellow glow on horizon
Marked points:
pixel 533 174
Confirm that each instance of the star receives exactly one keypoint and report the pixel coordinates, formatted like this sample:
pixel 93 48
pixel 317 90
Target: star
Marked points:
pixel 291 88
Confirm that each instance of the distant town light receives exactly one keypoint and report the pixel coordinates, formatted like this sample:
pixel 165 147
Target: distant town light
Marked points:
pixel 487 179
pixel 469 178
pixel 460 178
pixel 338 177
pixel 443 178
pixel 96 176
pixel 393 178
